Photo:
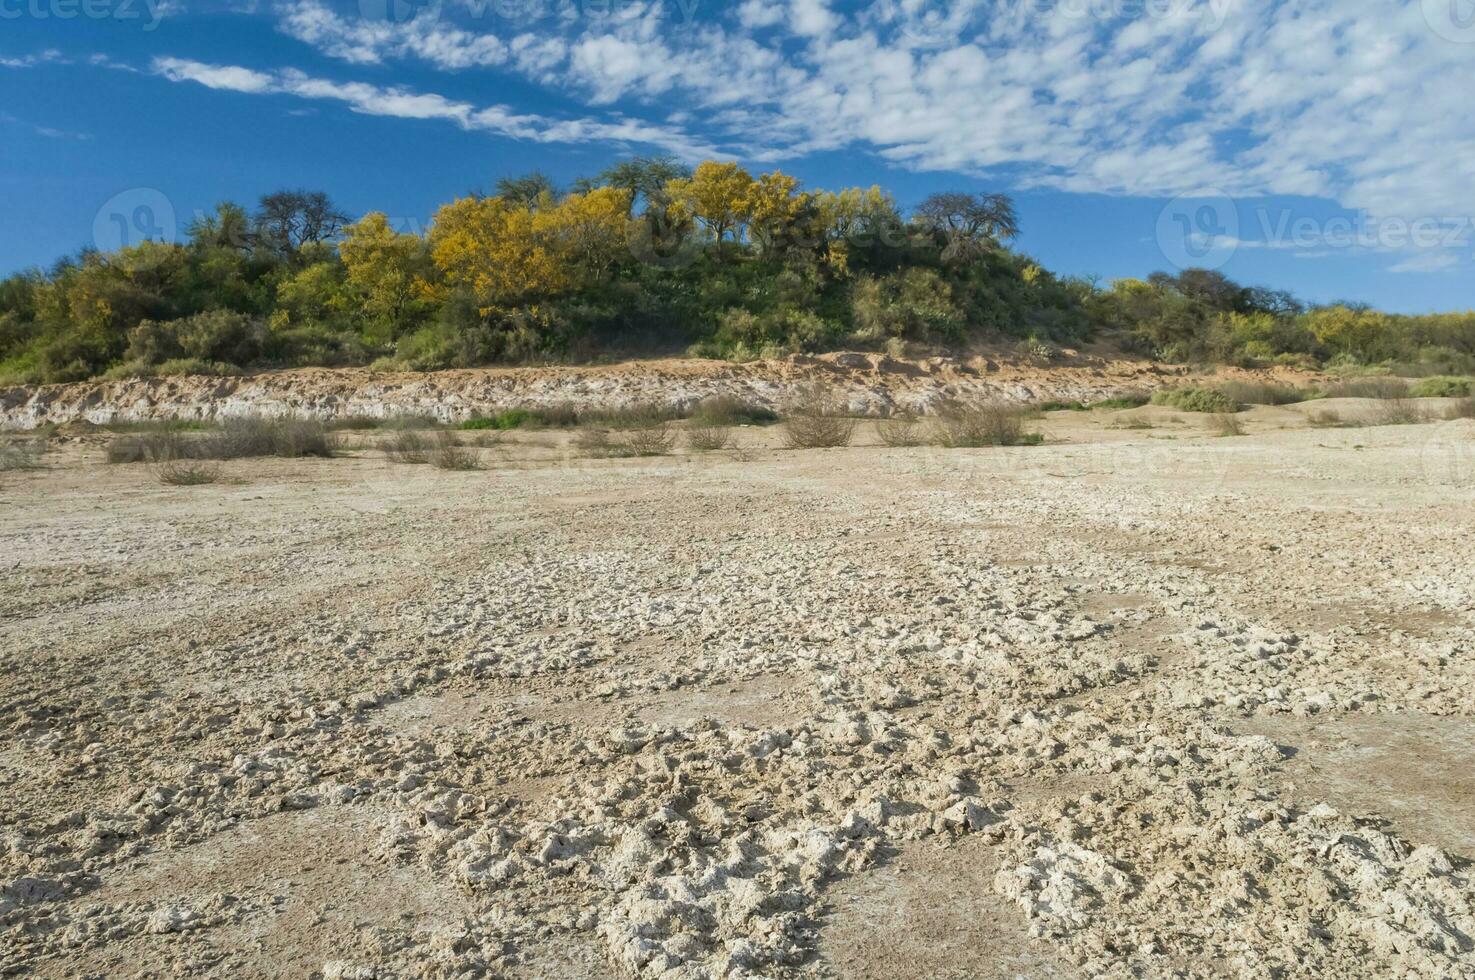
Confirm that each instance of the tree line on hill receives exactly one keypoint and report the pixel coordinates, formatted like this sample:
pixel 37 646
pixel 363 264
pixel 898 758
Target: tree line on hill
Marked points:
pixel 649 256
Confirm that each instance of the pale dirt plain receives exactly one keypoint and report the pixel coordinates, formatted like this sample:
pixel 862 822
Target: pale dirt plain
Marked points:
pixel 1137 702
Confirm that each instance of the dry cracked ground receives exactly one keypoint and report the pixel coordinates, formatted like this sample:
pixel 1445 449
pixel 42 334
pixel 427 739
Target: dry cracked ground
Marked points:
pixel 1132 703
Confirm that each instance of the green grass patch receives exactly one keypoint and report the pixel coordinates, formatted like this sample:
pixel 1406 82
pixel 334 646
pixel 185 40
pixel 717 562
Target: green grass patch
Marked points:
pixel 1196 400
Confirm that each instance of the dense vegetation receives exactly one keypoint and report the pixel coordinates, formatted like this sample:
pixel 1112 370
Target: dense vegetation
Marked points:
pixel 648 256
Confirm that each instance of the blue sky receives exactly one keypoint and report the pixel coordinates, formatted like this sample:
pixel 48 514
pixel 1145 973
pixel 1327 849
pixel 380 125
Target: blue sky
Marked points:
pixel 1325 146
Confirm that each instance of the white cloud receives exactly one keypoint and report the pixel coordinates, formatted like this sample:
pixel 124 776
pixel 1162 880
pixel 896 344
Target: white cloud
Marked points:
pixel 369 42
pixel 1357 101
pixel 1427 262
pixel 402 103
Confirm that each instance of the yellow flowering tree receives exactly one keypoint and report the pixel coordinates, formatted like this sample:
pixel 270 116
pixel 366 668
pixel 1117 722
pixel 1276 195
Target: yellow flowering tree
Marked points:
pixel 385 268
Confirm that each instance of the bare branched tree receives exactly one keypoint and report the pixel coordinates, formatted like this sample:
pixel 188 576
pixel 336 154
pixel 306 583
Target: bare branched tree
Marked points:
pixel 968 224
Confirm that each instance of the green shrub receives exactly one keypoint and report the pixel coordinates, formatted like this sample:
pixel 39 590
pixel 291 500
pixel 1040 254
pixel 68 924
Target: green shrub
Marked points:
pixel 1196 400
pixel 1440 387
pixel 1263 393
pixel 726 410
pixel 1135 400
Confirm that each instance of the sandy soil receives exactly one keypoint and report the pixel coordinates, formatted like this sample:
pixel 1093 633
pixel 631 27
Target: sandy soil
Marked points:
pixel 1138 702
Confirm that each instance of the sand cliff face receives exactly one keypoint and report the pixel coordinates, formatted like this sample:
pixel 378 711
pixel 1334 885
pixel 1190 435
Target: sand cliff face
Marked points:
pixel 872 384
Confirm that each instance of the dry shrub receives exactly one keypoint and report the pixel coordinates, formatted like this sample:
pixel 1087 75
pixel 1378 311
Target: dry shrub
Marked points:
pixel 960 424
pixel 448 455
pixel 708 438
pixel 650 440
pixel 593 442
pixel 150 447
pixel 818 421
pixel 1325 418
pixel 1464 408
pixel 21 454
pixel 1400 411
pixel 407 446
pixel 1228 425
pixel 729 410
pixel 252 436
pixel 186 472
pixel 1369 387
pixel 644 415
pixel 900 431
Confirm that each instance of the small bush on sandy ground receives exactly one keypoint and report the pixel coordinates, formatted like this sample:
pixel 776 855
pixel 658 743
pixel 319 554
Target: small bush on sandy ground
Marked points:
pixel 705 438
pixel 594 442
pixel 253 436
pixel 959 424
pixel 390 422
pixel 153 446
pixel 186 472
pixel 1134 399
pixel 448 455
pixel 1263 393
pixel 1400 411
pixel 900 431
pixel 649 440
pixel 817 421
pixel 1367 387
pixel 21 454
pixel 728 410
pixel 1228 425
pixel 1440 387
pixel 407 446
pixel 1325 418
pixel 1196 400
pixel 1462 409
pixel 512 418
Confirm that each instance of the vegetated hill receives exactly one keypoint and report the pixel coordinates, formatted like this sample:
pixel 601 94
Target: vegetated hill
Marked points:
pixel 647 257
pixel 870 383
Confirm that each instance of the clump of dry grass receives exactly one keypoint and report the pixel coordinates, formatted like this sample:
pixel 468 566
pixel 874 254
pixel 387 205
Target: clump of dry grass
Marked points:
pixel 818 421
pixel 21 454
pixel 1400 411
pixel 900 431
pixel 407 446
pixel 449 455
pixel 186 472
pixel 1368 387
pixel 1228 425
pixel 1325 418
pixel 649 440
pixel 237 438
pixel 593 442
pixel 960 424
pixel 708 438
pixel 1463 408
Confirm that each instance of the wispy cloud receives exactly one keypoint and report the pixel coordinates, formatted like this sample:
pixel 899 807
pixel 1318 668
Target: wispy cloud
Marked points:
pixel 403 103
pixel 1320 98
